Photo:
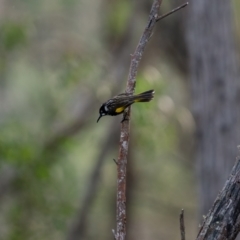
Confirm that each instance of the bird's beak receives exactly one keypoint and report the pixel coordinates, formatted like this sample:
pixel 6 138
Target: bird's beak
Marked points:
pixel 99 118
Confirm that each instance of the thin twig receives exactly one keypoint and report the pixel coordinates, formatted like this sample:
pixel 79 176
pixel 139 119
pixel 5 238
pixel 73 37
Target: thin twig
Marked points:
pixel 172 11
pixel 182 226
pixel 115 161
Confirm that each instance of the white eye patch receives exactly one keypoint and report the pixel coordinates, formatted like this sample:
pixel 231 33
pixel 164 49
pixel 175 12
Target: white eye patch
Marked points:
pixel 106 108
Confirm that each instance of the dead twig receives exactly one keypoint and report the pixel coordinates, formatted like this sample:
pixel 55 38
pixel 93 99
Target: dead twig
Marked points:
pixel 172 11
pixel 182 226
pixel 121 217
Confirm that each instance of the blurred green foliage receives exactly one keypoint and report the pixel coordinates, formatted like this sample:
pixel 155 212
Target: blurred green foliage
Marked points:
pixel 118 16
pixel 54 59
pixel 12 35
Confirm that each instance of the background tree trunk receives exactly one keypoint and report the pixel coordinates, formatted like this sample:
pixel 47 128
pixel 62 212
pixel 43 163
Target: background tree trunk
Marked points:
pixel 215 94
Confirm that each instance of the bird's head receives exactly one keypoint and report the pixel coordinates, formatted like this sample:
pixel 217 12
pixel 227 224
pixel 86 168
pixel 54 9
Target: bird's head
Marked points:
pixel 102 111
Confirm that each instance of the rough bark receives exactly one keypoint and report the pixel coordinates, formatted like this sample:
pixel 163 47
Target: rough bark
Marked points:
pixel 223 220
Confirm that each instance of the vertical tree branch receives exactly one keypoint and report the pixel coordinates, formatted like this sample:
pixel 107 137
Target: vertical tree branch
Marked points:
pixel 182 225
pixel 120 233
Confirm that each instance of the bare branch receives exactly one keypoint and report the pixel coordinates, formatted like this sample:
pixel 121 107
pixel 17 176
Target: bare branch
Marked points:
pixel 172 11
pixel 125 127
pixel 120 233
pixel 115 161
pixel 182 225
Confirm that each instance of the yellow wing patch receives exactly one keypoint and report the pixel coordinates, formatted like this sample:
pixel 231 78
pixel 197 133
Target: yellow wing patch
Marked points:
pixel 119 110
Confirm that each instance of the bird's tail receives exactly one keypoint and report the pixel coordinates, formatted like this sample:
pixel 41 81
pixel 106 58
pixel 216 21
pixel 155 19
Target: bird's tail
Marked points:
pixel 144 97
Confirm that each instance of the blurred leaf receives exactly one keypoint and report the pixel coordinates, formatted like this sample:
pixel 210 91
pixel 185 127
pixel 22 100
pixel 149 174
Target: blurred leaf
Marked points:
pixel 119 13
pixel 12 35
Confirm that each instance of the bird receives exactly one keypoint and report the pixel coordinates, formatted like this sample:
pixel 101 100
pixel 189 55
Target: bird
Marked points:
pixel 118 104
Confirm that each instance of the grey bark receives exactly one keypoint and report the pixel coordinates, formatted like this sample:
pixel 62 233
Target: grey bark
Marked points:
pixel 223 220
pixel 215 94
